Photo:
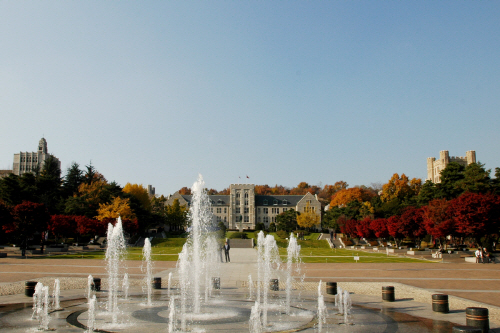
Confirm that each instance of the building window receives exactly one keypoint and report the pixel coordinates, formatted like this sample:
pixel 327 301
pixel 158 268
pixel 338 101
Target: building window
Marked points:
pixel 275 202
pixel 219 219
pixel 237 210
pixel 265 219
pixel 285 202
pixel 237 202
pixel 224 219
pixel 285 209
pixel 258 219
pixel 247 218
pixel 219 210
pixel 265 210
pixel 258 210
pixel 238 195
pixel 219 202
pixel 225 210
pixel 246 202
pixel 265 202
pixel 245 210
pixel 246 195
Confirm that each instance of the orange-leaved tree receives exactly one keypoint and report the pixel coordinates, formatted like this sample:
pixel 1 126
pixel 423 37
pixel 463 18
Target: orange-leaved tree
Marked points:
pixel 118 207
pixel 400 188
pixel 140 193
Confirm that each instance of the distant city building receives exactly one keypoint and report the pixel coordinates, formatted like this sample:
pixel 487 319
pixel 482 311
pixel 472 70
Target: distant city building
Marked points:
pixel 434 167
pixel 28 162
pixel 151 191
pixel 5 173
pixel 242 209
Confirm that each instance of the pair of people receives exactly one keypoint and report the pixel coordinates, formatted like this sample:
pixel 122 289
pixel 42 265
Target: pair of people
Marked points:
pixel 482 255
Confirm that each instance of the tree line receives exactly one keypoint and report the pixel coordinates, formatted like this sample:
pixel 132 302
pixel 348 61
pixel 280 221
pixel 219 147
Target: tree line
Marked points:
pixel 465 205
pixel 43 204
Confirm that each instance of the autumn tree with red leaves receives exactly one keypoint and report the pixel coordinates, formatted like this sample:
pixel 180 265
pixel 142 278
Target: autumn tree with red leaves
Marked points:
pixel 363 228
pixel 62 225
pixel 437 219
pixel 30 220
pixel 379 228
pixel 476 215
pixel 412 223
pixel 393 225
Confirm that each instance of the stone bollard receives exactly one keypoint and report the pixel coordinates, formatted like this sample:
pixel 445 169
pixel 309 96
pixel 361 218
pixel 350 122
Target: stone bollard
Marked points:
pixel 274 285
pixel 478 317
pixel 466 329
pixel 96 285
pixel 29 288
pixel 331 288
pixel 216 282
pixel 388 294
pixel 440 303
pixel 157 283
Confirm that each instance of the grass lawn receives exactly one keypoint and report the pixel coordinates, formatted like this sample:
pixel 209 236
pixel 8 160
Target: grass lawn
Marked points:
pixel 312 251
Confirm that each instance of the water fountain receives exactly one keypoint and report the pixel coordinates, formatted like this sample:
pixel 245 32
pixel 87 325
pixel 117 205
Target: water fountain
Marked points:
pixel 91 324
pixel 125 286
pixel 114 254
pixel 250 286
pixel 56 305
pixel 147 266
pixel 339 303
pixel 169 283
pixel 322 313
pixel 199 258
pixel 292 266
pixel 347 305
pixel 90 283
pixel 172 319
pixel 255 323
pixel 41 306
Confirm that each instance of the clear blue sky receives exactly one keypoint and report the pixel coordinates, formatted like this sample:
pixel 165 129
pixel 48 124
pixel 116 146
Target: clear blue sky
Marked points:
pixel 155 92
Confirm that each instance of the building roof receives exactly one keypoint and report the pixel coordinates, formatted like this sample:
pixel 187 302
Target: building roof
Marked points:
pixel 277 200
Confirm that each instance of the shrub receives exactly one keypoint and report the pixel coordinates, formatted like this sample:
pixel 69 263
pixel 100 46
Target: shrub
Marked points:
pixel 272 227
pixel 260 226
pixel 241 235
pixel 282 234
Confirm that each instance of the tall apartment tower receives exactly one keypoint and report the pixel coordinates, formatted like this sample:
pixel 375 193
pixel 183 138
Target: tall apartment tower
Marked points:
pixel 29 161
pixel 434 167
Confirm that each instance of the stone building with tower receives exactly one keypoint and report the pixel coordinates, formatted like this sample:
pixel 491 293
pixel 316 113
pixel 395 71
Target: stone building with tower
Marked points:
pixel 242 209
pixel 29 161
pixel 435 166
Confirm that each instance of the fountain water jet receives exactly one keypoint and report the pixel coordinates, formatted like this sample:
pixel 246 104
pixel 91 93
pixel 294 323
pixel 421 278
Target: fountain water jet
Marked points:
pixel 250 286
pixel 347 305
pixel 91 324
pixel 198 259
pixel 148 279
pixel 114 254
pixel 90 283
pixel 322 313
pixel 125 286
pixel 271 260
pixel 172 320
pixel 169 283
pixel 255 323
pixel 56 294
pixel 293 252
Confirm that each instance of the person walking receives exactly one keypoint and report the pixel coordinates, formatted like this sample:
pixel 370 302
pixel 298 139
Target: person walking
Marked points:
pixel 226 251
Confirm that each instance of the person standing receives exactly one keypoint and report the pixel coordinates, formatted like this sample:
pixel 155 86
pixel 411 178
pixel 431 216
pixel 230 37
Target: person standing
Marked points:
pixel 226 251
